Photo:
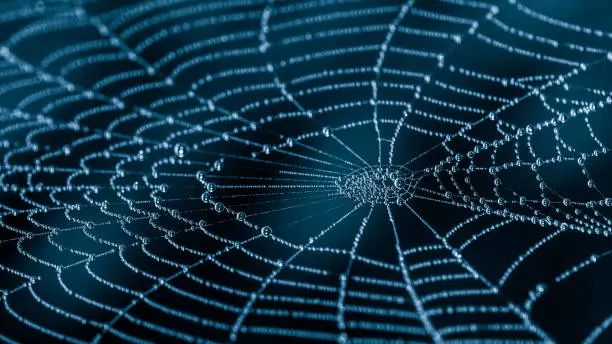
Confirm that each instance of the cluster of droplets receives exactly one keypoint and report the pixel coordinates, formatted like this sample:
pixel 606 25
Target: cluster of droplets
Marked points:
pixel 379 185
pixel 218 206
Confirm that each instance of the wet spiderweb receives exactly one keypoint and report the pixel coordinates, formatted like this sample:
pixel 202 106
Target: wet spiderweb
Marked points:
pixel 329 170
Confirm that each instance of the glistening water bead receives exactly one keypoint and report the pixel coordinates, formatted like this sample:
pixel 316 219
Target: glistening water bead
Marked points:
pixel 206 197
pixel 180 150
pixel 266 231
pixel 200 176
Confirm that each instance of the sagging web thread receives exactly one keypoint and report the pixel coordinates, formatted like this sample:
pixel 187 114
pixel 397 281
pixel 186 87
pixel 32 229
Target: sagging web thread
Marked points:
pixel 167 164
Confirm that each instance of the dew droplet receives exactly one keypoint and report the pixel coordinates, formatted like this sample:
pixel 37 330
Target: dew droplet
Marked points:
pixel 180 150
pixel 266 231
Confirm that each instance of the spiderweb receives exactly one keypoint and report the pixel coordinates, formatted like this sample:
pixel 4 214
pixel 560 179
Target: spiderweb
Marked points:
pixel 331 170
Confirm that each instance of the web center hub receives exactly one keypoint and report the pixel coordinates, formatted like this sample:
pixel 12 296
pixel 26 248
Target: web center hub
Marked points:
pixel 379 184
